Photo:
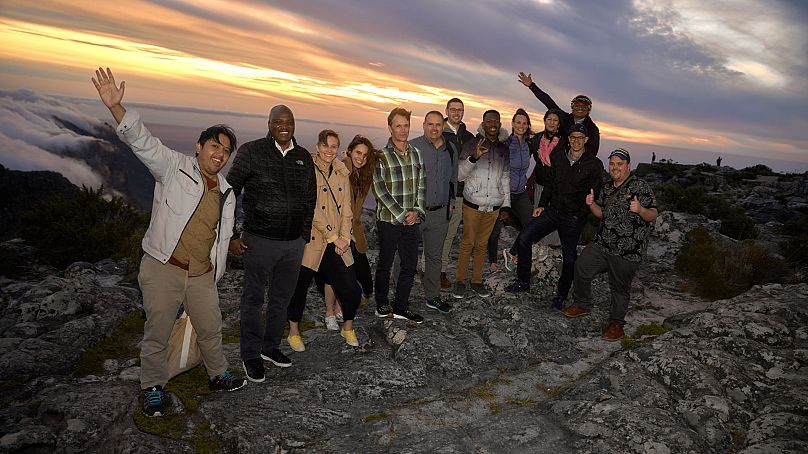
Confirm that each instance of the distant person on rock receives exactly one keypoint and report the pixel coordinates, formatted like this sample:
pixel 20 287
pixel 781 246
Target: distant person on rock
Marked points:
pixel 653 157
pixel 399 185
pixel 484 167
pixel 185 246
pixel 440 158
pixel 454 131
pixel 562 208
pixel 718 162
pixel 627 209
pixel 581 105
pixel 277 178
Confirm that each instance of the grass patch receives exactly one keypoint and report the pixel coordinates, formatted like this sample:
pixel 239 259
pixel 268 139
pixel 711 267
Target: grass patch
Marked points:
pixel 484 391
pixel 169 425
pixel 204 441
pixel 122 343
pixel 521 402
pixel 551 391
pixel 304 325
pixel 494 408
pixel 376 417
pixel 188 385
pixel 643 335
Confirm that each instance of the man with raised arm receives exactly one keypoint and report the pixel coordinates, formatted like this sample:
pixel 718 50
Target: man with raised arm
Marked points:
pixel 581 105
pixel 280 191
pixel 185 245
pixel 398 184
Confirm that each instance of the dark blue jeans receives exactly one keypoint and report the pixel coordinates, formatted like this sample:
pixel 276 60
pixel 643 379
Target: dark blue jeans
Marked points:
pixel 404 239
pixel 569 231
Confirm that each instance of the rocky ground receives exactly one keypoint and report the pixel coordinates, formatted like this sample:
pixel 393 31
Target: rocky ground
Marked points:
pixel 503 374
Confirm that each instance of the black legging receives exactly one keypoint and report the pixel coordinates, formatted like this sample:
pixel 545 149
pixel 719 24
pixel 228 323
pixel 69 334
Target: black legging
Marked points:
pixel 363 274
pixel 342 278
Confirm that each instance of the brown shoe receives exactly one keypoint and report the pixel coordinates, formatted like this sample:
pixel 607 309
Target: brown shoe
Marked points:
pixel 444 281
pixel 614 332
pixel 575 311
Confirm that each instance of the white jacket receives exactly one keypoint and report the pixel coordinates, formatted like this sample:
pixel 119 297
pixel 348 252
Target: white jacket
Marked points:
pixel 178 190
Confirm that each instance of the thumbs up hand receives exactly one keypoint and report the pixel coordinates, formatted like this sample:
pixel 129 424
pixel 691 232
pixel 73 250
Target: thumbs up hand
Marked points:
pixel 635 205
pixel 590 198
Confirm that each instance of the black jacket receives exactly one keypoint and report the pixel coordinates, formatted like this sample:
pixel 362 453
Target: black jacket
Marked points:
pixel 462 136
pixel 279 191
pixel 571 183
pixel 593 144
pixel 541 173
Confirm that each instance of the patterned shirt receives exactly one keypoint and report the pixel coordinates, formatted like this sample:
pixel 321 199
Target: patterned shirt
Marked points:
pixel 622 232
pixel 398 184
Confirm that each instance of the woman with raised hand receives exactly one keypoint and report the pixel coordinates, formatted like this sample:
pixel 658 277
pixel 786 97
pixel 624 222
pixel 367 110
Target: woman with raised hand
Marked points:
pixel 360 160
pixel 329 248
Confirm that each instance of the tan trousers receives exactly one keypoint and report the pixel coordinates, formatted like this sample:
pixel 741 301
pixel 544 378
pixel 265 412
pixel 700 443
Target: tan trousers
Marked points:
pixel 477 226
pixel 165 288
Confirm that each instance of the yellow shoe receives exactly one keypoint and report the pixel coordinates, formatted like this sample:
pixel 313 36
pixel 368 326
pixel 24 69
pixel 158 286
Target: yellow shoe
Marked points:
pixel 350 338
pixel 296 342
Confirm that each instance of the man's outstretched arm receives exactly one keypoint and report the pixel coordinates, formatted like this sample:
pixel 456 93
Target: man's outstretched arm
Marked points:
pixel 111 95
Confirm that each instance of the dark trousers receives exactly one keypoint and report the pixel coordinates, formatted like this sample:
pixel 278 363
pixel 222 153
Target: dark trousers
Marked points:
pixel 522 210
pixel 273 266
pixel 569 231
pixel 362 269
pixel 404 239
pixel 594 261
pixel 342 278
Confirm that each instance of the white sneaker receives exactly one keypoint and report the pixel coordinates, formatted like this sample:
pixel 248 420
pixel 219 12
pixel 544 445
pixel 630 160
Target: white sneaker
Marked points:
pixel 542 252
pixel 339 317
pixel 331 323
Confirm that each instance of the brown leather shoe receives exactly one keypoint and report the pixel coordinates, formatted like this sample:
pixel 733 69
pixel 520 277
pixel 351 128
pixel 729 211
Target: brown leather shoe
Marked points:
pixel 575 311
pixel 614 332
pixel 444 281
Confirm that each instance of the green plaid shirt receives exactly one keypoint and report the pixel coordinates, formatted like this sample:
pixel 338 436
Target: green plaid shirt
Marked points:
pixel 398 184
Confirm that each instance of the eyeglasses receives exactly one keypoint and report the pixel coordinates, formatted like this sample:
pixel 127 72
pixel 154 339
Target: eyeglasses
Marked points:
pixel 453 110
pixel 577 137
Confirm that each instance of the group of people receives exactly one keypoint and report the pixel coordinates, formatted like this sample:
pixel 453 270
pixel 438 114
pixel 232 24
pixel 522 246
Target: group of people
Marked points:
pixel 302 223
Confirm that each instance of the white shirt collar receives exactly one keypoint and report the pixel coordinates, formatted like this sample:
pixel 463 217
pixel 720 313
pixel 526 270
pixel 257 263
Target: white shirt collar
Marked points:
pixel 283 152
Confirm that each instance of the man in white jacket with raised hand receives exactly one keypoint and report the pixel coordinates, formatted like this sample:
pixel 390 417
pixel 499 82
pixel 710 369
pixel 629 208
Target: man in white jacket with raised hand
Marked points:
pixel 186 244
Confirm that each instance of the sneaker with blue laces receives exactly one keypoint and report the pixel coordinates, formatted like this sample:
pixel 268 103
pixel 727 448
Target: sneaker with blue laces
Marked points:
pixel 226 381
pixel 153 401
pixel 439 305
pixel 510 260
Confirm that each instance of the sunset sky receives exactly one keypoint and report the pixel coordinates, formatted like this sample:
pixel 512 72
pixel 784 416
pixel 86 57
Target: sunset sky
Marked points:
pixel 725 78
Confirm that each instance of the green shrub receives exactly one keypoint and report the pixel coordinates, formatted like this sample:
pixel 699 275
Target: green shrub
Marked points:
pixel 694 200
pixel 795 248
pixel 716 272
pixel 84 227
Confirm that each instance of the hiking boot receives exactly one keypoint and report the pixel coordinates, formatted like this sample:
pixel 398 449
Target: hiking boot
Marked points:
pixel 459 291
pixel 444 281
pixel 296 342
pixel 277 358
pixel 350 338
pixel 510 260
pixel 226 381
pixel 517 286
pixel 384 311
pixel 575 311
pixel 331 323
pixel 153 401
pixel 439 305
pixel 558 302
pixel 614 332
pixel 407 315
pixel 254 369
pixel 481 290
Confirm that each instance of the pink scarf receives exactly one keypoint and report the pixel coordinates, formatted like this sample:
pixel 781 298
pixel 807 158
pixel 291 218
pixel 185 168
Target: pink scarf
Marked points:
pixel 545 147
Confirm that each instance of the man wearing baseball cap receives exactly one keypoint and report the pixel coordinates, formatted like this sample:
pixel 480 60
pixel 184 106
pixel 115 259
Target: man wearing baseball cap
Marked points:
pixel 562 207
pixel 580 105
pixel 626 208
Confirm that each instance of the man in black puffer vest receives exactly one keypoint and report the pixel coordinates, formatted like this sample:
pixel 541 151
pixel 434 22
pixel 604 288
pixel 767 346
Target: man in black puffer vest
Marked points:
pixel 280 191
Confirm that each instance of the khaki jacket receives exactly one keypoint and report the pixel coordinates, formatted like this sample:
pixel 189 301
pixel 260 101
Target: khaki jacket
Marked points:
pixel 330 220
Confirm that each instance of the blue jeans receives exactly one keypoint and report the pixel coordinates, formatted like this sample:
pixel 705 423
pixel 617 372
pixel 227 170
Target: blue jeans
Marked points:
pixel 569 231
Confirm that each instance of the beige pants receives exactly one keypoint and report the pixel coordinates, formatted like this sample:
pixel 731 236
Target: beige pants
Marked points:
pixel 477 226
pixel 165 288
